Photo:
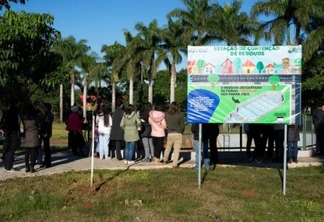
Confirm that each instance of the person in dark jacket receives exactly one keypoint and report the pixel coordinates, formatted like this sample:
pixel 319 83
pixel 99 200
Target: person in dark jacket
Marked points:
pixel 205 160
pixel 255 130
pixel 146 132
pixel 46 134
pixel 31 137
pixel 10 126
pixel 117 133
pixel 318 121
pixel 293 138
pixel 212 132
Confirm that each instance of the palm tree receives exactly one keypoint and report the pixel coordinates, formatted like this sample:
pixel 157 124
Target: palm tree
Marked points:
pixel 288 16
pixel 112 54
pixel 194 18
pixel 146 46
pixel 89 68
pixel 230 25
pixel 173 45
pixel 72 52
pixel 131 60
pixel 101 74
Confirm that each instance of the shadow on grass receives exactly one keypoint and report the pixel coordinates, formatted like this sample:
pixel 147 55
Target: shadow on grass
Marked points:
pixel 97 188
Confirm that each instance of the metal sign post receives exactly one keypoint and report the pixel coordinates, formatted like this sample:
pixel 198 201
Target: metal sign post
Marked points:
pixel 199 156
pixel 284 163
pixel 92 151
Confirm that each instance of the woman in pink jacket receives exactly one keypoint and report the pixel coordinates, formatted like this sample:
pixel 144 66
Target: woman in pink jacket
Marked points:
pixel 158 124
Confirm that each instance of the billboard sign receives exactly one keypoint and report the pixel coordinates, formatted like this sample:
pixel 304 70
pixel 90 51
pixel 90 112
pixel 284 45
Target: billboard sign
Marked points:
pixel 244 84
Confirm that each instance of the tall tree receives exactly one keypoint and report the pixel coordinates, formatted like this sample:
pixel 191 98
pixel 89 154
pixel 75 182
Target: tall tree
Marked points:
pixel 72 52
pixel 26 57
pixel 194 18
pixel 286 17
pixel 112 53
pixel 173 46
pixel 146 46
pixel 6 3
pixel 229 24
pixel 89 68
pixel 304 19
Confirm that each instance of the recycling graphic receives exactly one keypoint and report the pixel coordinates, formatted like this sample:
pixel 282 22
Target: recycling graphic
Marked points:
pixel 244 84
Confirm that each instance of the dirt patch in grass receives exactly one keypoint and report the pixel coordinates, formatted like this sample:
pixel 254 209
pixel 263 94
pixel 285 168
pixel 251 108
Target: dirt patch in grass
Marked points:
pixel 250 193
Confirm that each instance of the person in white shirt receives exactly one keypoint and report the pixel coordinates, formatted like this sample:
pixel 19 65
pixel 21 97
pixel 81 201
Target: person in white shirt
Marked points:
pixel 104 123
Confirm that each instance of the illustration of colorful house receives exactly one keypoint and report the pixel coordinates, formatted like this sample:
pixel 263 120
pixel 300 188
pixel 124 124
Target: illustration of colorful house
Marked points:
pixel 227 67
pixel 285 65
pixel 209 68
pixel 270 69
pixel 248 67
pixel 295 69
pixel 192 67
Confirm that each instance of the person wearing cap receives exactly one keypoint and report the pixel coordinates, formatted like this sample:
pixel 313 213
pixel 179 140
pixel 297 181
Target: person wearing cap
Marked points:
pixel 74 126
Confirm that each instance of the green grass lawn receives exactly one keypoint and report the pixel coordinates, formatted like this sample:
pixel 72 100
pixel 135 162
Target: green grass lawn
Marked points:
pixel 227 194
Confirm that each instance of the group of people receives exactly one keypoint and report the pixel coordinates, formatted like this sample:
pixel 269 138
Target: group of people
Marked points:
pixel 268 136
pixel 37 130
pixel 149 127
pixel 158 132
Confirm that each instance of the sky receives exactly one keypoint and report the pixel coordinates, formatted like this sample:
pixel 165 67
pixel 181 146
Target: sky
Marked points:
pixel 103 21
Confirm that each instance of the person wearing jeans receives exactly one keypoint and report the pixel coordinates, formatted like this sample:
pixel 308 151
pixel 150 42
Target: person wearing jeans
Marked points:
pixel 293 138
pixel 205 160
pixel 129 151
pixel 131 124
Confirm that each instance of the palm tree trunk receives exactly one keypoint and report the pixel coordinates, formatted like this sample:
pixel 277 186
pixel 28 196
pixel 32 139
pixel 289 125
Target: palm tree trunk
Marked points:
pixel 298 28
pixel 131 90
pixel 85 87
pixel 150 91
pixel 173 83
pixel 113 96
pixel 288 35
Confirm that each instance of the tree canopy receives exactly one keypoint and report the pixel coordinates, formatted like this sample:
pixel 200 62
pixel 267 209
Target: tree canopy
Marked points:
pixel 26 56
pixel 6 3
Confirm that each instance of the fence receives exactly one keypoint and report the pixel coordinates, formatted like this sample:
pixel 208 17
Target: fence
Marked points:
pixel 232 136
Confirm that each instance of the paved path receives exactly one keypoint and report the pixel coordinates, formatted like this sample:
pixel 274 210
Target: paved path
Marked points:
pixel 64 162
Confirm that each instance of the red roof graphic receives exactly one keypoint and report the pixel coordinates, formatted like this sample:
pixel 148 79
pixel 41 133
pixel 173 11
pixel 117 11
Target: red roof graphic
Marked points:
pixel 209 64
pixel 191 63
pixel 248 63
pixel 270 66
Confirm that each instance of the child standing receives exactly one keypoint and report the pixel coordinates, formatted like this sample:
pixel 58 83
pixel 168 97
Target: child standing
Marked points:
pixel 293 138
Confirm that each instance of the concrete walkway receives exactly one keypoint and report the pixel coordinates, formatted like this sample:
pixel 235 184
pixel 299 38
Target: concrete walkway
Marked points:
pixel 64 162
